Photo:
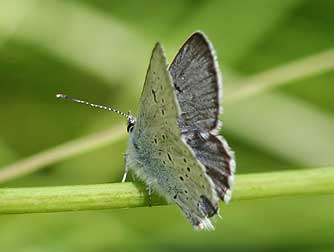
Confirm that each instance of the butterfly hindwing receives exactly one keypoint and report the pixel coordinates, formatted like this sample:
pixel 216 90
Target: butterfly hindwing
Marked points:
pixel 158 153
pixel 197 82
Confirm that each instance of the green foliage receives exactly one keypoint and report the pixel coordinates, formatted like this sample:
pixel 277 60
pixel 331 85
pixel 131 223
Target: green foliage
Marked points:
pixel 99 50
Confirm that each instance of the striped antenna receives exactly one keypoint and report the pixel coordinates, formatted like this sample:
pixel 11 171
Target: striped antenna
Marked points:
pixel 66 97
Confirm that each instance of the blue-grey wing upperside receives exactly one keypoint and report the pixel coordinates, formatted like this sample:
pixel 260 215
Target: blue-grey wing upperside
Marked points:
pixel 198 84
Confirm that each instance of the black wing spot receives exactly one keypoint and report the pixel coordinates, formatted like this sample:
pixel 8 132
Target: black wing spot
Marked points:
pixel 178 88
pixel 185 160
pixel 207 207
pixel 163 161
pixel 169 157
pixel 163 112
pixel 154 96
pixel 188 169
pixel 155 140
pixel 187 175
pixel 175 196
pixel 185 191
pixel 181 178
pixel 163 137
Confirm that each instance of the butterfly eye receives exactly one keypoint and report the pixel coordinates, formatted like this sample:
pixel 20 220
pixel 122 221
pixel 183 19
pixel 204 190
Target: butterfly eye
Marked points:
pixel 130 127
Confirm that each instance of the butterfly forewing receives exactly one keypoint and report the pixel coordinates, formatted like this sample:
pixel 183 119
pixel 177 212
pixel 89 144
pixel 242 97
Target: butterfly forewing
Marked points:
pixel 197 82
pixel 159 155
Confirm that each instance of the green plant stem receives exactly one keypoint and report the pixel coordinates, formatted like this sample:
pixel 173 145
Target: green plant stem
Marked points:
pixel 318 181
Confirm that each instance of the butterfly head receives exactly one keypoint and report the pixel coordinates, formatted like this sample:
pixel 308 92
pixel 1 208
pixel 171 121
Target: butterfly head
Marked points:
pixel 131 123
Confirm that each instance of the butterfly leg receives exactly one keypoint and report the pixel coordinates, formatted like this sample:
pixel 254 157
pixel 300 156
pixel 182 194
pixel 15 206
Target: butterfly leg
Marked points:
pixel 126 169
pixel 125 174
pixel 133 176
pixel 149 193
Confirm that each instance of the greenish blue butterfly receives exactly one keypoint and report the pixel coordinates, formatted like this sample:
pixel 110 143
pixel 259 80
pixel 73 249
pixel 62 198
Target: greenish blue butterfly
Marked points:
pixel 173 145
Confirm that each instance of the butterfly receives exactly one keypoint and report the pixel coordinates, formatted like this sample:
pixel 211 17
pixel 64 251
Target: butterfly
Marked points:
pixel 173 144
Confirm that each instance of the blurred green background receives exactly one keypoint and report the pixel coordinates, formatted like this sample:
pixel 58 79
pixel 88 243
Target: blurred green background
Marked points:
pixel 99 51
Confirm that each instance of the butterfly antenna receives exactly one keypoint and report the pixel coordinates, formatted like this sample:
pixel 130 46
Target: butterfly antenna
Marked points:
pixel 66 97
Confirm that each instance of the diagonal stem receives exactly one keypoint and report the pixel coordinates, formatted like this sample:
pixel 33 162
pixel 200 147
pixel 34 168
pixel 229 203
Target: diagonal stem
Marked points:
pixel 298 69
pixel 62 152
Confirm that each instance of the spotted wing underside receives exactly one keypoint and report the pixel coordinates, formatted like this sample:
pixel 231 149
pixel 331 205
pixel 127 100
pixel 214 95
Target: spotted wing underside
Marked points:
pixel 163 158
